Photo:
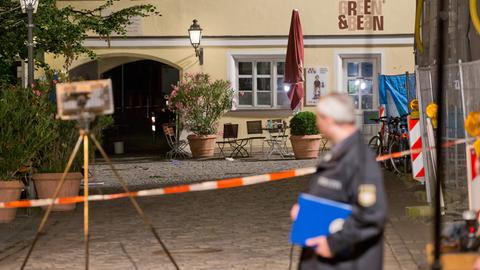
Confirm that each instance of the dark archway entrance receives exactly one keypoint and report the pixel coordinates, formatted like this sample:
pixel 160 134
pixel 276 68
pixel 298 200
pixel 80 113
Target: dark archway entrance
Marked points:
pixel 139 90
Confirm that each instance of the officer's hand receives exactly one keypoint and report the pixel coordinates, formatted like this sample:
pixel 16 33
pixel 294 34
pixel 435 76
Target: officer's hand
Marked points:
pixel 321 246
pixel 294 211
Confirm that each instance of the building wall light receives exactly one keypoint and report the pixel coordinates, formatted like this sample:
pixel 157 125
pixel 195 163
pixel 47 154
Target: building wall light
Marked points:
pixel 195 34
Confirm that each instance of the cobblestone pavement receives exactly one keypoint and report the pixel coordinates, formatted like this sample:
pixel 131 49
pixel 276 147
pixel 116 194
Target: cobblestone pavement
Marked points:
pixel 241 228
pixel 148 172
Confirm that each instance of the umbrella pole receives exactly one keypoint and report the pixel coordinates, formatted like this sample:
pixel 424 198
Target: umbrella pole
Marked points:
pixel 441 56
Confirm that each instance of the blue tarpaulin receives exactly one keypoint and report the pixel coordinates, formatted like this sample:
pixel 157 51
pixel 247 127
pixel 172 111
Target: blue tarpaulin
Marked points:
pixel 393 93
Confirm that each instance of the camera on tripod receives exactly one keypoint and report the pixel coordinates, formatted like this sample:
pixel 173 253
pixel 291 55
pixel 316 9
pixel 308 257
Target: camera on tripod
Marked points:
pixel 78 100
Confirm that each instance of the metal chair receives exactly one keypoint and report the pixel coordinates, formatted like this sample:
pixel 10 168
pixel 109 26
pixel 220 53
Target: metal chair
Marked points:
pixel 255 128
pixel 177 146
pixel 277 140
pixel 230 138
pixel 230 133
pixel 324 142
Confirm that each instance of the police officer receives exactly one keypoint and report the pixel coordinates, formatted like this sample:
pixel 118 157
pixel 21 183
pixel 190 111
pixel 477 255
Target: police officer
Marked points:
pixel 347 174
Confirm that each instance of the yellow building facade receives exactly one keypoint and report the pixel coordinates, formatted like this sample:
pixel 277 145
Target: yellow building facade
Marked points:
pixel 245 42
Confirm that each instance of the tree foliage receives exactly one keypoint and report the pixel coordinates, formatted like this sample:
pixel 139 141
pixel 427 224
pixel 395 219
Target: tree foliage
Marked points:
pixel 60 31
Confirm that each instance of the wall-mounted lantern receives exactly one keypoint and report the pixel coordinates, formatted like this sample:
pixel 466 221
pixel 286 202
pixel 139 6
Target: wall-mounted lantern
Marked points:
pixel 195 34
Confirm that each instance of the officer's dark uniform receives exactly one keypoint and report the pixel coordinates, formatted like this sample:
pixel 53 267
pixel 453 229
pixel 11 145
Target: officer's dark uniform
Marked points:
pixel 350 174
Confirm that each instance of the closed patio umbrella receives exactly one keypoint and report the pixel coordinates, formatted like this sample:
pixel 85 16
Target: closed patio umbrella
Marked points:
pixel 294 62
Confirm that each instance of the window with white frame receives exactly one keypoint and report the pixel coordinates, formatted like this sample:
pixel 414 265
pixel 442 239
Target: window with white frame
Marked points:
pixel 259 83
pixel 360 81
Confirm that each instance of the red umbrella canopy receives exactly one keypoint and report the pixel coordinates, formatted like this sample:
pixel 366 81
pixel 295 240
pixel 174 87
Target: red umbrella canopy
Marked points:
pixel 294 61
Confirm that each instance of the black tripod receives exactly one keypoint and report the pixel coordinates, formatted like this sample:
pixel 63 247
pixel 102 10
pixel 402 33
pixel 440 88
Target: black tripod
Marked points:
pixel 84 129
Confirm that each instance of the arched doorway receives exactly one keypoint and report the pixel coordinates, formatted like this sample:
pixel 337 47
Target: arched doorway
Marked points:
pixel 139 89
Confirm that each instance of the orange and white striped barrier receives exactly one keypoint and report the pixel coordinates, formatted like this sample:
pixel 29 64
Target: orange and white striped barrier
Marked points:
pixel 416 151
pixel 473 179
pixel 415 139
pixel 204 186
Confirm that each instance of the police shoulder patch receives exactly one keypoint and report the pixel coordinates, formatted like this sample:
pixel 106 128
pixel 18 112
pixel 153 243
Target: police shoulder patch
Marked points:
pixel 336 225
pixel 367 195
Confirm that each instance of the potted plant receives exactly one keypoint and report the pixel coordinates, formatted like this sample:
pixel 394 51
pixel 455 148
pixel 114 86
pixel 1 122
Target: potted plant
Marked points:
pixel 305 137
pixel 200 103
pixel 53 158
pixel 24 130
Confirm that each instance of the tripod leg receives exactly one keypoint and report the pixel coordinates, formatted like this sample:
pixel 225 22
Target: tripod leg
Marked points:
pixel 85 202
pixel 146 220
pixel 54 197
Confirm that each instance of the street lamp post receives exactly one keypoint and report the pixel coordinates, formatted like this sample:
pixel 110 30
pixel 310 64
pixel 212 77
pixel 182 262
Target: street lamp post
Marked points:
pixel 30 7
pixel 195 34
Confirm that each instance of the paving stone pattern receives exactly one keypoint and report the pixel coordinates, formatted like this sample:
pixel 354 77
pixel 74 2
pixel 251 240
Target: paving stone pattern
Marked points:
pixel 241 228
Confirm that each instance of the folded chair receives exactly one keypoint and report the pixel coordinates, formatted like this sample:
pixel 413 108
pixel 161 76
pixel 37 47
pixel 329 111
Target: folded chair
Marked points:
pixel 177 147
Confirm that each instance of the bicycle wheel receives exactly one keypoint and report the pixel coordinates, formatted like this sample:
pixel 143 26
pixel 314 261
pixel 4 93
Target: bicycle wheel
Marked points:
pixel 376 146
pixel 399 165
pixel 408 158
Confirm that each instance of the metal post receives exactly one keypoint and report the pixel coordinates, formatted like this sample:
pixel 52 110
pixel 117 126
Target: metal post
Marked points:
pixel 177 130
pixel 407 87
pixel 428 173
pixel 441 53
pixel 468 160
pixel 123 88
pixel 86 231
pixel 30 44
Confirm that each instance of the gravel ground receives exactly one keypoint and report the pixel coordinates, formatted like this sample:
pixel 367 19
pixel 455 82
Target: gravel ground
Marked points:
pixel 148 172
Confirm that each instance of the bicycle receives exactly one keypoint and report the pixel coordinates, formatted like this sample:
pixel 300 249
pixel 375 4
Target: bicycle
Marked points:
pixel 379 143
pixel 401 165
pixel 392 138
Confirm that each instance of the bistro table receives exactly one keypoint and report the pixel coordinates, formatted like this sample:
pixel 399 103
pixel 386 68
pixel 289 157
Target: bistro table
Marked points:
pixel 237 146
pixel 277 140
pixel 239 149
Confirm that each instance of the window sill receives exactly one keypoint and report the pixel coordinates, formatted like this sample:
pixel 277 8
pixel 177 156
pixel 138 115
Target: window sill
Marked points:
pixel 260 112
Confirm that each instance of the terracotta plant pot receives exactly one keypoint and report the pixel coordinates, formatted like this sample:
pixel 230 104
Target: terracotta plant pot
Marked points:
pixel 46 184
pixel 202 146
pixel 306 146
pixel 9 191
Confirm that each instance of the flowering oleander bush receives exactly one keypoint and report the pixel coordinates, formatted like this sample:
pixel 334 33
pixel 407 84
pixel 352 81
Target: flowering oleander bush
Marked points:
pixel 201 102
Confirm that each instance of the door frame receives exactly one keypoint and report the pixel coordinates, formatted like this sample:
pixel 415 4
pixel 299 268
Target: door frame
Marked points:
pixel 379 58
pixel 358 53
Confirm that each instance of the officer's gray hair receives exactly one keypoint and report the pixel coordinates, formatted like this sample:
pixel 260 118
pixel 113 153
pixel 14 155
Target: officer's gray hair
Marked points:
pixel 339 107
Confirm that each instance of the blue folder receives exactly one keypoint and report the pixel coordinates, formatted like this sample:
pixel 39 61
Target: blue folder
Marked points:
pixel 317 217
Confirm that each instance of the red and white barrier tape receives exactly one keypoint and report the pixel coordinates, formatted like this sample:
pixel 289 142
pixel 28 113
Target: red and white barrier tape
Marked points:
pixel 416 151
pixel 209 185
